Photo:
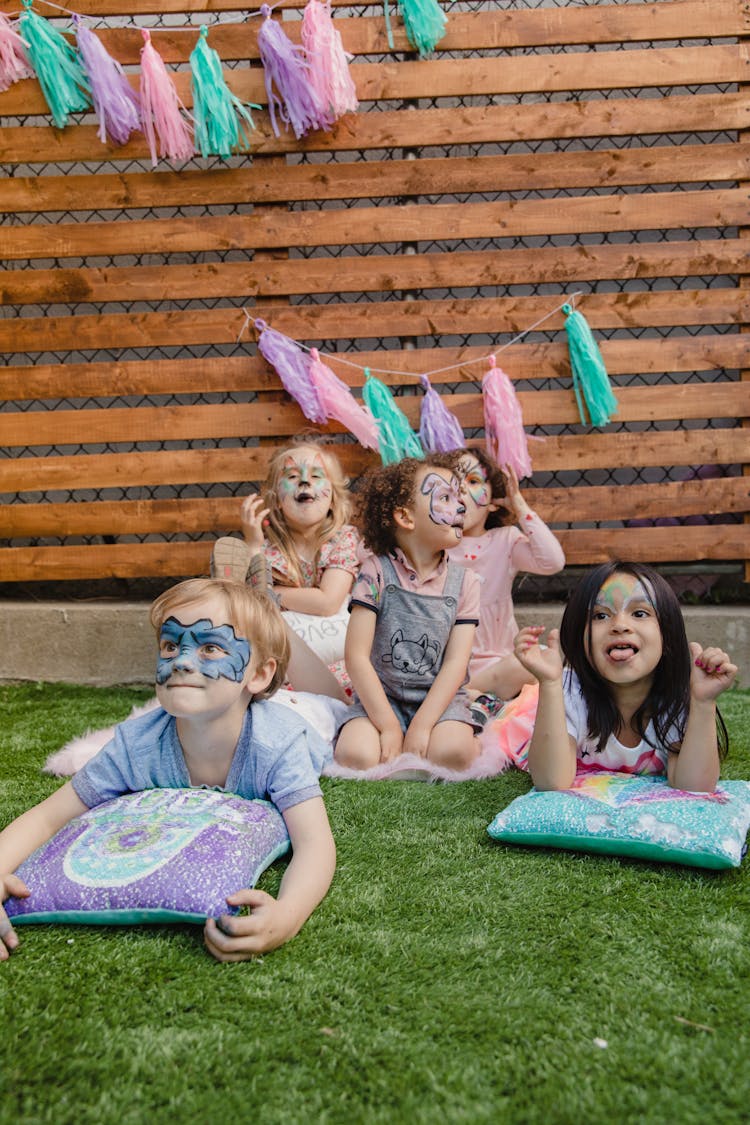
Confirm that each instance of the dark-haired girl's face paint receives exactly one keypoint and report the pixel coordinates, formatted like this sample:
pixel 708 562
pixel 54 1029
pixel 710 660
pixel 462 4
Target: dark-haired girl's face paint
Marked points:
pixel 209 650
pixel 625 644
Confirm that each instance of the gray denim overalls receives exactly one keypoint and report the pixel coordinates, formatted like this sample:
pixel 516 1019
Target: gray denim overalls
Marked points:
pixel 411 635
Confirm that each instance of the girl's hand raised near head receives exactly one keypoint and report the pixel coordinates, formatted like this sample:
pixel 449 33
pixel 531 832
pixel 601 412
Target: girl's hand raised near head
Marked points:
pixel 252 515
pixel 544 663
pixel 513 495
pixel 711 673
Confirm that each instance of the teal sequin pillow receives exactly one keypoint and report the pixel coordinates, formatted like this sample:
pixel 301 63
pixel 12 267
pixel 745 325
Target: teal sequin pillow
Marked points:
pixel 163 855
pixel 623 814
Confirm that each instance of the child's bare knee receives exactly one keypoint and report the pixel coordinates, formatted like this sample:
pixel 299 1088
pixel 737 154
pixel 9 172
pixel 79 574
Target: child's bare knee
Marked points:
pixel 358 746
pixel 453 746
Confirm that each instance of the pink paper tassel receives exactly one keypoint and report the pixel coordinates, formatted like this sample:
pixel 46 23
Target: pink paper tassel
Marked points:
pixel 115 101
pixel 160 108
pixel 298 102
pixel 439 430
pixel 14 63
pixel 338 402
pixel 292 365
pixel 503 423
pixel 328 61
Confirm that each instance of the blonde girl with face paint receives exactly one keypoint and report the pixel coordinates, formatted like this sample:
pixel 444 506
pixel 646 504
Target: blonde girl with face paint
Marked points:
pixel 621 689
pixel 502 538
pixel 296 539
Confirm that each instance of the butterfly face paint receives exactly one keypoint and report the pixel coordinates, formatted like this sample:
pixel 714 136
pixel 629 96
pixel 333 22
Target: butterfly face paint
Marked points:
pixel 623 591
pixel 202 648
pixel 474 480
pixel 445 504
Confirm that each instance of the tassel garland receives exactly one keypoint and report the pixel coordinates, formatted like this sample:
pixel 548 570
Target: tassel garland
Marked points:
pixel 14 62
pixel 57 66
pixel 396 438
pixel 424 23
pixel 219 115
pixel 115 101
pixel 292 365
pixel 439 430
pixel 160 108
pixel 503 422
pixel 328 61
pixel 337 401
pixel 590 378
pixel 297 102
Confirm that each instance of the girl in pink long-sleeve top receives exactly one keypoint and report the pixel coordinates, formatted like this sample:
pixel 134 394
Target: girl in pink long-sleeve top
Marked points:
pixel 502 536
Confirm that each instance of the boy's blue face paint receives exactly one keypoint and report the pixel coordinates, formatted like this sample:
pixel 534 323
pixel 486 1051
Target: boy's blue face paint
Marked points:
pixel 211 650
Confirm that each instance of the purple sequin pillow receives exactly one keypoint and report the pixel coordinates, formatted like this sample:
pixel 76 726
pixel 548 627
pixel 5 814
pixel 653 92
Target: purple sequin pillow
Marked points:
pixel 163 855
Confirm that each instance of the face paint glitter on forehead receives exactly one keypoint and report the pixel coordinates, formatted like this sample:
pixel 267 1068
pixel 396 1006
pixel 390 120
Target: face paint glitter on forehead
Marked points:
pixel 211 650
pixel 622 590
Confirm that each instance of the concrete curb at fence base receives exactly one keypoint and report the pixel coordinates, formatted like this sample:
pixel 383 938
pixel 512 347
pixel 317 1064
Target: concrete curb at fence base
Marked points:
pixel 112 642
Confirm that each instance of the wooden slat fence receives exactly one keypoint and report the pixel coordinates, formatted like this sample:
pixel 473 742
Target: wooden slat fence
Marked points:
pixel 602 149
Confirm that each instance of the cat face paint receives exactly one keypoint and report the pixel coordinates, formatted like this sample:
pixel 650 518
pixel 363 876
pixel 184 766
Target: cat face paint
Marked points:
pixel 209 650
pixel 304 477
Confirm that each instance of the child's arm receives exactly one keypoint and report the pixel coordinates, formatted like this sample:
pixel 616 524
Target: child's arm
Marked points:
pixel 360 633
pixel 23 836
pixel 323 600
pixel 306 880
pixel 539 551
pixel 696 767
pixel 552 751
pixel 445 685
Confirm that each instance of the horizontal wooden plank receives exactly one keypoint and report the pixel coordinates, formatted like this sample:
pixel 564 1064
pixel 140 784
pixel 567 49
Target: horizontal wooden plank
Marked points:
pixel 218 515
pixel 552 454
pixel 373 319
pixel 681 210
pixel 507 29
pixel 613 117
pixel 663 164
pixel 250 373
pixel 187 559
pixel 374 272
pixel 656 544
pixel 475 77
pixel 189 423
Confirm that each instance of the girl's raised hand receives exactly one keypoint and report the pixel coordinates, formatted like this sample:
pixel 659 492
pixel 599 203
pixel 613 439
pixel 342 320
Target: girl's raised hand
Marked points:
pixel 513 492
pixel 544 663
pixel 252 515
pixel 712 672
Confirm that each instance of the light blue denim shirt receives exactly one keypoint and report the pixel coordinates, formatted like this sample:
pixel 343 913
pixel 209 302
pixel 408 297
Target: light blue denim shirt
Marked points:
pixel 278 758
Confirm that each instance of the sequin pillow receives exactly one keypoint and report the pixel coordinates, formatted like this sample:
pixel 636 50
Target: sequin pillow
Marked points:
pixel 163 855
pixel 620 814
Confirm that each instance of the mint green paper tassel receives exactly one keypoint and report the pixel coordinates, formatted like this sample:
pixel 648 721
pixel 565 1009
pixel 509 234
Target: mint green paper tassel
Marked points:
pixel 57 66
pixel 424 22
pixel 396 438
pixel 590 378
pixel 218 114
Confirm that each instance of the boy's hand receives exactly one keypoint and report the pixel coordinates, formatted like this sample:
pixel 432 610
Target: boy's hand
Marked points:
pixel 416 739
pixel 239 938
pixel 711 672
pixel 9 885
pixel 544 663
pixel 391 743
pixel 252 515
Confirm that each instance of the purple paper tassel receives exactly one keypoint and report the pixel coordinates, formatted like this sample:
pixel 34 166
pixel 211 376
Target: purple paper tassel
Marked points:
pixel 292 365
pixel 298 102
pixel 439 430
pixel 115 101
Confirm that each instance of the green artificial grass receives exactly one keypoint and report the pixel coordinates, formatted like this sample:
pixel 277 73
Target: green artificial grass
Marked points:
pixel 446 978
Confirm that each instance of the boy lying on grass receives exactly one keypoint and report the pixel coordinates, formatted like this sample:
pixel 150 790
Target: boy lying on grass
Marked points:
pixel 222 650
